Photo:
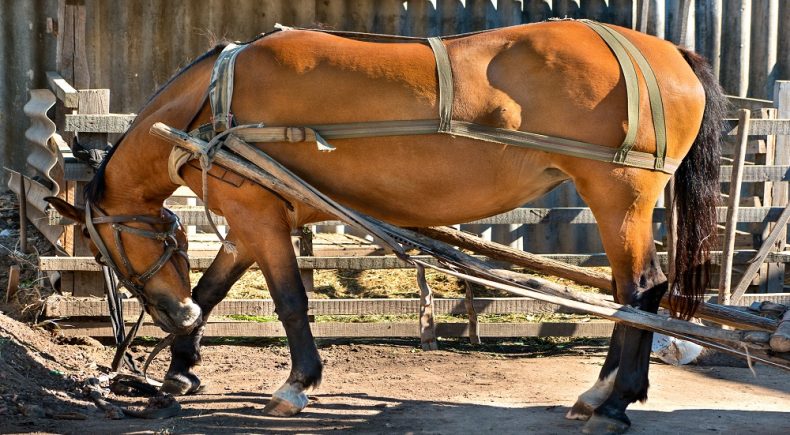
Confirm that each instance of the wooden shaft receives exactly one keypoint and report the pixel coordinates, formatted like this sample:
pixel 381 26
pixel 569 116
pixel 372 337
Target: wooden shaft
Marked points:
pixel 536 263
pixel 725 276
pixel 713 312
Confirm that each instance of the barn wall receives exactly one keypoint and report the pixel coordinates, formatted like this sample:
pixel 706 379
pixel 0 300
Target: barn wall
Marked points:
pixel 133 46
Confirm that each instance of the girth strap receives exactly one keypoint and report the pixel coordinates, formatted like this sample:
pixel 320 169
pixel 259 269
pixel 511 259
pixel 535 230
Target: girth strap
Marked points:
pixel 445 75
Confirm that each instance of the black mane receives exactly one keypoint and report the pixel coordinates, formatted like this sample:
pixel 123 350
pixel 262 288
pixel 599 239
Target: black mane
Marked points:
pixel 94 190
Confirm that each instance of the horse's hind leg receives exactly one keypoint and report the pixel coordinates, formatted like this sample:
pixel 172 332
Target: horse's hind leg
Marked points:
pixel 623 206
pixel 212 287
pixel 269 222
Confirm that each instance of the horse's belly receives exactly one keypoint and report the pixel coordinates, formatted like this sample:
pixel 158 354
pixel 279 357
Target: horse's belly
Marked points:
pixel 423 180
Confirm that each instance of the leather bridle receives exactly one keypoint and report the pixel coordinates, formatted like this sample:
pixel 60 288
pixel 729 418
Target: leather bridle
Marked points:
pixel 131 280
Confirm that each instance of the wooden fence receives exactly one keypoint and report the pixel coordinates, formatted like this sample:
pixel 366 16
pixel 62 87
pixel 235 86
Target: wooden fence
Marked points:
pixel 766 173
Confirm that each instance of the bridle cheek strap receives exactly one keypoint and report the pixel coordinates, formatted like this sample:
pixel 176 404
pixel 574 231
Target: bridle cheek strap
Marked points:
pixel 134 282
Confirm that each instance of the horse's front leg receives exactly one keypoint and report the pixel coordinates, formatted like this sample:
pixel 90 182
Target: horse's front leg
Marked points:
pixel 212 287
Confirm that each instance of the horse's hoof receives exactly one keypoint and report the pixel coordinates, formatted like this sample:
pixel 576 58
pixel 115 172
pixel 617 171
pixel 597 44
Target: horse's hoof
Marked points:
pixel 286 402
pixel 602 425
pixel 181 384
pixel 580 411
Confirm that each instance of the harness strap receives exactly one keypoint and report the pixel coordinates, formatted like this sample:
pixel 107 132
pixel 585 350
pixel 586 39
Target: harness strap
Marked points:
pixel 619 44
pixel 445 77
pixel 631 87
pixel 221 87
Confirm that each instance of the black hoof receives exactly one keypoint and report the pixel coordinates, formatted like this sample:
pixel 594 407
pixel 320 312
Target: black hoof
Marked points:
pixel 181 384
pixel 601 425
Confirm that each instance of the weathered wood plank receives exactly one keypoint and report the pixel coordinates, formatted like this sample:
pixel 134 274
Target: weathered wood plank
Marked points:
pixel 63 307
pixel 760 127
pixel 109 123
pixel 63 90
pixel 364 330
pixel 57 307
pixel 389 262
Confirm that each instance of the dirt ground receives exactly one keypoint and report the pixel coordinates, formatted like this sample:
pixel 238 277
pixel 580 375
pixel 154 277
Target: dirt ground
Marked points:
pixel 383 387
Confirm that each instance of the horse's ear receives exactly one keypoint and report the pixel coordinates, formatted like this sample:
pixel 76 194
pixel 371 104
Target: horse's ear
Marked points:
pixel 65 209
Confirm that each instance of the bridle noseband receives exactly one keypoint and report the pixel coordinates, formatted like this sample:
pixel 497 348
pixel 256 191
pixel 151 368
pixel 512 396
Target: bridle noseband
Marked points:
pixel 131 280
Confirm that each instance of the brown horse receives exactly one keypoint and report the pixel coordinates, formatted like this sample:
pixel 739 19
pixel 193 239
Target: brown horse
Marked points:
pixel 557 78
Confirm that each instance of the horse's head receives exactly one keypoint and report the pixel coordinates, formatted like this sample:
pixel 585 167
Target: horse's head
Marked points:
pixel 148 253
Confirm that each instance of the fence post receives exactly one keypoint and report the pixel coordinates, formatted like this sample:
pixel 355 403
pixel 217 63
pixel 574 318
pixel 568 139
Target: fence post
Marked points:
pixel 735 58
pixel 733 204
pixel 764 28
pixel 779 191
pixel 708 32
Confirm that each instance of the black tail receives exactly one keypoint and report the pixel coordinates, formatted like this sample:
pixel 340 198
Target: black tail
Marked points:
pixel 697 191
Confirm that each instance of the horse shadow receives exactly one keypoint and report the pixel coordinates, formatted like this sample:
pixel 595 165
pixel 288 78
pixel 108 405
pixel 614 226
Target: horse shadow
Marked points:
pixel 368 414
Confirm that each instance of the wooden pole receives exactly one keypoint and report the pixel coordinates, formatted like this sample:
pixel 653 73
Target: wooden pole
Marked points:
pixel 22 215
pixel 764 38
pixel 736 46
pixel 469 304
pixel 780 227
pixel 725 276
pixel 427 324
pixel 712 312
pixel 533 262
pixel 708 19
pixel 13 283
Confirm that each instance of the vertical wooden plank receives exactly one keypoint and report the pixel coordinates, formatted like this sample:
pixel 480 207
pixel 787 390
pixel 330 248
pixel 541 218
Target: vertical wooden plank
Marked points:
pixel 469 304
pixel 735 46
pixel 388 16
pixel 656 17
pixel 476 15
pixel 766 156
pixel 300 12
pixel 509 12
pixel 420 17
pixel 783 45
pixel 623 13
pixel 679 23
pixel 73 59
pixel 536 11
pixel 331 14
pixel 780 191
pixel 427 324
pixel 360 15
pixel 451 16
pixel 594 10
pixel 566 9
pixel 725 277
pixel 708 36
pixel 764 40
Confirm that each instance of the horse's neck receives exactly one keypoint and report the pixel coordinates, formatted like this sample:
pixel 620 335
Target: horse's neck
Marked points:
pixel 136 179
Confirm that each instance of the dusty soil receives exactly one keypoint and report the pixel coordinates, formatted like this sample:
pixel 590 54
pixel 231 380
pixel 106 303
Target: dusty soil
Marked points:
pixel 383 387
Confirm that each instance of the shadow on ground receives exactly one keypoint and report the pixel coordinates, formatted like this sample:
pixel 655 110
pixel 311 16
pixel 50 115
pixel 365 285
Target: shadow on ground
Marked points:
pixel 362 413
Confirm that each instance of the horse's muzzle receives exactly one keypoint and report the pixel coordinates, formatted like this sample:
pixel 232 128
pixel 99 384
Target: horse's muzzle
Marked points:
pixel 175 317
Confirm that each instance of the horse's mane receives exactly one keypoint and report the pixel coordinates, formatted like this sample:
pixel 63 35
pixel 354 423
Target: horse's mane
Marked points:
pixel 94 190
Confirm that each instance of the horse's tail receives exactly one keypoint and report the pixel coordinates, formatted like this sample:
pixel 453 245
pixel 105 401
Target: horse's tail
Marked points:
pixel 697 191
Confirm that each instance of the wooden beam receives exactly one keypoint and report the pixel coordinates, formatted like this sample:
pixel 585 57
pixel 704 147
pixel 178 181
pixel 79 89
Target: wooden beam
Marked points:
pixel 63 90
pixel 389 262
pixel 760 127
pixel 62 307
pixel 518 257
pixel 108 123
pixel 362 330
